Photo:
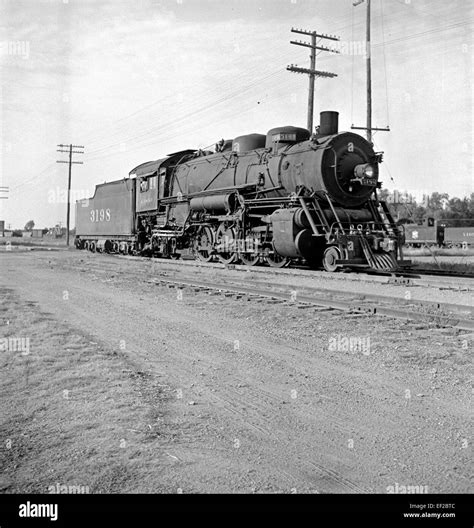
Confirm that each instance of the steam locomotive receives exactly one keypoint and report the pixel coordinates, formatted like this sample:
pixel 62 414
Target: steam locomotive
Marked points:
pixel 287 196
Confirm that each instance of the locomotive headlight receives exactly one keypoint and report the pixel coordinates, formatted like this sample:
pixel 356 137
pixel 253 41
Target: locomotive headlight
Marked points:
pixel 369 171
pixel 366 170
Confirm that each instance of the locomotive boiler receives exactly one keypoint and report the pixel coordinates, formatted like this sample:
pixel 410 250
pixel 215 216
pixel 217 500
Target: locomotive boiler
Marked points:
pixel 284 196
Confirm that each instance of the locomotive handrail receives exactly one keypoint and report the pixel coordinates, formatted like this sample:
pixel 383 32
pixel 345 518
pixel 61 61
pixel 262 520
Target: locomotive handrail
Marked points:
pixel 308 216
pixel 206 192
pixel 336 216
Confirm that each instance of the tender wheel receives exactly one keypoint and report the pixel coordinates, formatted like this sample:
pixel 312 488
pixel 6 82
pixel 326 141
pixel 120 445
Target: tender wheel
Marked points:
pixel 225 243
pixel 203 244
pixel 329 260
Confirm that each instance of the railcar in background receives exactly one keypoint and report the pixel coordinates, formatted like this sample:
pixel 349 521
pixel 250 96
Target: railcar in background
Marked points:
pixel 435 233
pixel 430 233
pixel 460 237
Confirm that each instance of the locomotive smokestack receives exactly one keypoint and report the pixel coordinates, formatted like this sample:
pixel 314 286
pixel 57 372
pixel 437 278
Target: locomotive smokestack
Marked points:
pixel 328 123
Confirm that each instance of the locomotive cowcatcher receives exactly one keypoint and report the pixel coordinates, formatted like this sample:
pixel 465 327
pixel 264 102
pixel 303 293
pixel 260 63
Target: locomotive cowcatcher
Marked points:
pixel 275 198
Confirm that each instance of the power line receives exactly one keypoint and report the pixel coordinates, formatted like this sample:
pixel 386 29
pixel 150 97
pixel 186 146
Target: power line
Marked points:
pixel 23 183
pixel 163 127
pixel 144 134
pixel 193 101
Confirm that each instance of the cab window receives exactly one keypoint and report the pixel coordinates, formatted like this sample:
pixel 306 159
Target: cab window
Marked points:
pixel 143 185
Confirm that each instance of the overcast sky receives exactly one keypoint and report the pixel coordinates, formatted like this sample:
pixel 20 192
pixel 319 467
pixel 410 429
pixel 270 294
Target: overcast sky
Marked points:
pixel 134 80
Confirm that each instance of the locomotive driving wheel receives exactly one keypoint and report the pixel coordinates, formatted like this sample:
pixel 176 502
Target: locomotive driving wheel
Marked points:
pixel 275 260
pixel 225 243
pixel 203 244
pixel 249 259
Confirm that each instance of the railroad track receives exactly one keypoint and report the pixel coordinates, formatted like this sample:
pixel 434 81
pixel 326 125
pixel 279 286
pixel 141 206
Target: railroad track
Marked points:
pixel 322 298
pixel 442 273
pixel 440 314
pixel 417 276
pixel 454 282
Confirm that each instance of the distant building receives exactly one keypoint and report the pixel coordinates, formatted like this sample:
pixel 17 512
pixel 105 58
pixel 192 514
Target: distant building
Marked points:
pixel 56 232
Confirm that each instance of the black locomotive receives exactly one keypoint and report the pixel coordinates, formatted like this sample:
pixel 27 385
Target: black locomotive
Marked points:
pixel 275 198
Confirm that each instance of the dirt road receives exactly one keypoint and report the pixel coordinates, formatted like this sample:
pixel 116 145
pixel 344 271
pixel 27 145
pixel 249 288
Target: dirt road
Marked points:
pixel 132 387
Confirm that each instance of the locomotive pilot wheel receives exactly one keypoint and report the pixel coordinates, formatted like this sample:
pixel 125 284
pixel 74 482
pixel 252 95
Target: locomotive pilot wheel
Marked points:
pixel 329 259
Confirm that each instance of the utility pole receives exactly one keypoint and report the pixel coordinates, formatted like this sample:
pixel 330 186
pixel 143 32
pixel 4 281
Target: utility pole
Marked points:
pixel 369 128
pixel 312 72
pixel 71 163
pixel 369 75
